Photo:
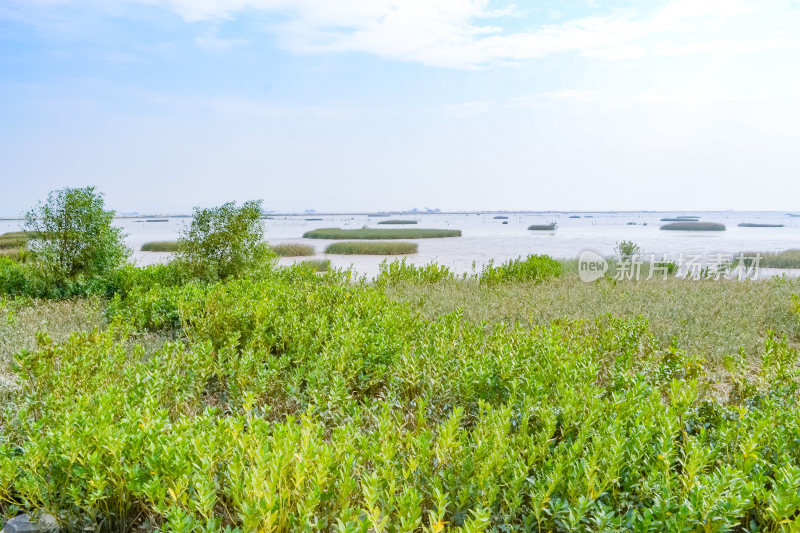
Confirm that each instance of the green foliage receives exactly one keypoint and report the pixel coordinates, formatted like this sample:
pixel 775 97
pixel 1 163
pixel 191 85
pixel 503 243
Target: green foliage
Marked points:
pixel 543 227
pixel 693 226
pixel 160 246
pixel 380 233
pixel 398 271
pixel 301 402
pixel 533 268
pixel 371 248
pixel 292 250
pixel 397 221
pixel 627 250
pixel 224 241
pixel 72 235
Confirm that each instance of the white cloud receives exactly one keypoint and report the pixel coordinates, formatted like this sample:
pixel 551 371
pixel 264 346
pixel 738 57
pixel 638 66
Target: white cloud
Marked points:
pixel 470 33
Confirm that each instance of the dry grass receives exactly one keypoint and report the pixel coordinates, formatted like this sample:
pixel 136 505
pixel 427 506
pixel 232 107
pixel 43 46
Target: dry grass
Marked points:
pixel 707 318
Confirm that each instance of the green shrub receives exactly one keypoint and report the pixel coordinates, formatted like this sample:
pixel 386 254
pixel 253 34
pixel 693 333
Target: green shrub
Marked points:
pixel 224 241
pixel 399 271
pixel 72 235
pixel 626 250
pixel 292 250
pixel 380 233
pixel 543 227
pixel 532 268
pixel 160 246
pixel 397 222
pixel 694 226
pixel 371 248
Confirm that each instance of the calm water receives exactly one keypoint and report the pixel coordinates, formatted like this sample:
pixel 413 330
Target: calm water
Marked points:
pixel 485 238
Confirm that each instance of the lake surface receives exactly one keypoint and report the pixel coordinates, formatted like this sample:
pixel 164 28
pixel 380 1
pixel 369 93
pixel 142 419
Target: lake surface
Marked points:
pixel 485 238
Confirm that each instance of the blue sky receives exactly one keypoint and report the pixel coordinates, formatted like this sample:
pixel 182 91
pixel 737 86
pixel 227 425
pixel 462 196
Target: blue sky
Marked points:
pixel 456 104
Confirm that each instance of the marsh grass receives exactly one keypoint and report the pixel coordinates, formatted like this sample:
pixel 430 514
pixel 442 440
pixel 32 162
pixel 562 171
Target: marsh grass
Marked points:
pixel 759 225
pixel 292 250
pixel 543 227
pixel 371 248
pixel 785 259
pixel 380 233
pixel 13 240
pixel 680 219
pixel 397 222
pixel 318 265
pixel 693 226
pixel 160 246
pixel 500 217
pixel 708 319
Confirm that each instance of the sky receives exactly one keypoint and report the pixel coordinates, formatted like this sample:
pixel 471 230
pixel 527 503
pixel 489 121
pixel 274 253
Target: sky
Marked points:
pixel 355 105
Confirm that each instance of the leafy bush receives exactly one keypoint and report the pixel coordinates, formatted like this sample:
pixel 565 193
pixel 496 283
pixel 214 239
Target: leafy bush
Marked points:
pixel 380 233
pixel 224 241
pixel 626 250
pixel 533 268
pixel 72 235
pixel 398 271
pixel 292 250
pixel 371 248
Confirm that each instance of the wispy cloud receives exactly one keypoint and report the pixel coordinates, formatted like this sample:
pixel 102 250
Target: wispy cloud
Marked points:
pixel 470 34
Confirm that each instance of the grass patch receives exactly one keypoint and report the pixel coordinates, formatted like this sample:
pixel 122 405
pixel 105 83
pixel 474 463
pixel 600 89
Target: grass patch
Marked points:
pixel 379 233
pixel 543 227
pixel 292 250
pixel 759 225
pixel 693 226
pixel 160 246
pixel 371 248
pixel 397 222
pixel 13 240
pixel 785 259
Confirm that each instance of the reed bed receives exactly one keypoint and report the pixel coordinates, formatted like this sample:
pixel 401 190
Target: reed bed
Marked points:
pixel 371 248
pixel 785 259
pixel 543 227
pixel 693 226
pixel 160 246
pixel 292 250
pixel 400 222
pixel 380 233
pixel 758 225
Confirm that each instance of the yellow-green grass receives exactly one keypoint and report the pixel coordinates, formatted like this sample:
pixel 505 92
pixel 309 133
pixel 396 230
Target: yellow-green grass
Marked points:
pixel 371 248
pixel 707 319
pixel 693 226
pixel 785 259
pixel 397 222
pixel 543 227
pixel 160 246
pixel 292 250
pixel 380 233
pixel 13 240
pixel 759 225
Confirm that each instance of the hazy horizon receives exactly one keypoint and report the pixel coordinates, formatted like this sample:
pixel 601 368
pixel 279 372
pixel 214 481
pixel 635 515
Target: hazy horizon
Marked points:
pixel 459 105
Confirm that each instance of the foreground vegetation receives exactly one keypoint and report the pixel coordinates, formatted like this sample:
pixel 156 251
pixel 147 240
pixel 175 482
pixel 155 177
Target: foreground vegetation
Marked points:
pixel 371 248
pixel 221 392
pixel 380 233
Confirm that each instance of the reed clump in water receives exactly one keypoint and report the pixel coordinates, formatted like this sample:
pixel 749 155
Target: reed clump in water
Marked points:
pixel 693 226
pixel 380 233
pixel 371 248
pixel 292 250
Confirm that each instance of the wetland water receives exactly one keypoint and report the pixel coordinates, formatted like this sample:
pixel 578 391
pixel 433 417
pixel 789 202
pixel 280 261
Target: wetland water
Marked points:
pixel 485 238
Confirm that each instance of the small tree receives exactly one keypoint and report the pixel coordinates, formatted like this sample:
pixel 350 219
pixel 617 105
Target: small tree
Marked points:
pixel 223 241
pixel 627 250
pixel 71 234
